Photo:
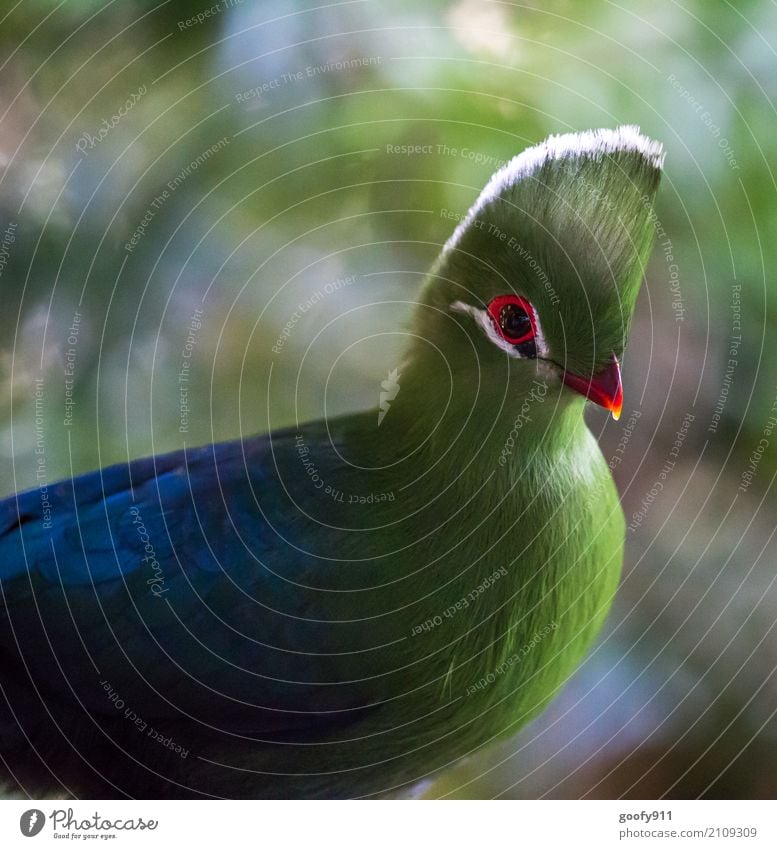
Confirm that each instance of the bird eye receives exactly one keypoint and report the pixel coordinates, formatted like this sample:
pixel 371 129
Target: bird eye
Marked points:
pixel 514 320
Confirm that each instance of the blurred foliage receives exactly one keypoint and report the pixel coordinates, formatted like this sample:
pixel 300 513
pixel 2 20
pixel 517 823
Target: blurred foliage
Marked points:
pixel 303 191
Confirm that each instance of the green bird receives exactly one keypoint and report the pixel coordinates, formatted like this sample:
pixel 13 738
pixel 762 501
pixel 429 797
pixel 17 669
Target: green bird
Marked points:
pixel 347 608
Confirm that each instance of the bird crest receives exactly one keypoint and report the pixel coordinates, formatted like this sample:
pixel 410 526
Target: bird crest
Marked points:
pixel 389 391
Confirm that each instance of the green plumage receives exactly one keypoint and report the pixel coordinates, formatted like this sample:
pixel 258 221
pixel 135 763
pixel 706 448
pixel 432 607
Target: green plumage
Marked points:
pixel 353 607
pixel 499 557
pixel 507 467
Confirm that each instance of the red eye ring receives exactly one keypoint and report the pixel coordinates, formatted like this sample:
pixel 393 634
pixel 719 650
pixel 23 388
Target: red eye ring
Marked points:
pixel 500 311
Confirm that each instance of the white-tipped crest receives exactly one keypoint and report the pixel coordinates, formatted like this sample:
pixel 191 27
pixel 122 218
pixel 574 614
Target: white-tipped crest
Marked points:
pixel 590 143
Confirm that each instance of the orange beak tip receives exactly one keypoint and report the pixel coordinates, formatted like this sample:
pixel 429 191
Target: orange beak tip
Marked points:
pixel 603 388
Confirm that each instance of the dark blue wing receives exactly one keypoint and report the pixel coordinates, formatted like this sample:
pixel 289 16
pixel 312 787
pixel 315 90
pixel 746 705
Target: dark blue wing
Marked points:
pixel 180 586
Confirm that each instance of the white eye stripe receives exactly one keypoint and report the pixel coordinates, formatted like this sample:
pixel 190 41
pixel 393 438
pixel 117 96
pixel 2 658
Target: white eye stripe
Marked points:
pixel 487 326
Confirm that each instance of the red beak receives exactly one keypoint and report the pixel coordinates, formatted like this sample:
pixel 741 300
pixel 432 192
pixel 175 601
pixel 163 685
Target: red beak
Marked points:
pixel 604 388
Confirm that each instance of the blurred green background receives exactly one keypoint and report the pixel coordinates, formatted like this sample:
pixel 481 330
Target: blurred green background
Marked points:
pixel 241 163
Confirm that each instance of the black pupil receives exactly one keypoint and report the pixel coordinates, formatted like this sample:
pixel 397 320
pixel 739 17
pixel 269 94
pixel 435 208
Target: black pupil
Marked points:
pixel 514 321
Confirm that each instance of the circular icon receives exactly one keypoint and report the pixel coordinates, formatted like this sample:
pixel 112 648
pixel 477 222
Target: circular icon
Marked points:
pixel 31 822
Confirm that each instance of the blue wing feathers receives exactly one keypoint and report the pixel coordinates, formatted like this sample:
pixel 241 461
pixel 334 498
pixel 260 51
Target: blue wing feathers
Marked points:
pixel 109 512
pixel 165 575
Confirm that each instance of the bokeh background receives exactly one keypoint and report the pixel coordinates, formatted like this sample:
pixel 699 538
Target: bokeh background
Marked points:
pixel 176 184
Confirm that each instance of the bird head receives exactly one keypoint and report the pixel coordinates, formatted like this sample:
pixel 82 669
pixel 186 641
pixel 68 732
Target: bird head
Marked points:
pixel 543 272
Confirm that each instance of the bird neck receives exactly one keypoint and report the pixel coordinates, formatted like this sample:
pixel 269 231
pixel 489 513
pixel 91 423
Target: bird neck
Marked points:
pixel 443 414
